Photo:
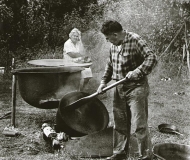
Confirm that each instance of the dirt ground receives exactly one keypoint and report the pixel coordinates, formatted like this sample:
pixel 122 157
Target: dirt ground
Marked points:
pixel 169 103
pixel 28 121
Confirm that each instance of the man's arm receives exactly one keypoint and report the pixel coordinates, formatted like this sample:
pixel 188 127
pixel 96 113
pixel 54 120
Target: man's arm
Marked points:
pixel 108 71
pixel 150 59
pixel 106 76
pixel 74 54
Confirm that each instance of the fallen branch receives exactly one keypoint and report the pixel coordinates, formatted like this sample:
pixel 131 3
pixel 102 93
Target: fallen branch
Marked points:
pixel 186 46
pixel 188 59
pixel 6 115
pixel 172 41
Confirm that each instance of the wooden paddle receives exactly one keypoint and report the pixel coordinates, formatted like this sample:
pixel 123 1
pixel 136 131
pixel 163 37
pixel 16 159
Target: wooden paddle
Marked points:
pixel 87 99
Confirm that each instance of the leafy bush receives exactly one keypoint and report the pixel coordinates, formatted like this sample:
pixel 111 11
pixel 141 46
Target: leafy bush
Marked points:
pixel 40 25
pixel 31 29
pixel 156 21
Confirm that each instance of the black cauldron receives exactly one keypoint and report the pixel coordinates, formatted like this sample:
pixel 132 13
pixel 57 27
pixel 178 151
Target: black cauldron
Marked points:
pixel 43 87
pixel 86 119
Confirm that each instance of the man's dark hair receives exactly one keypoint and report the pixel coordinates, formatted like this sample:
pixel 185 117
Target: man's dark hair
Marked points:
pixel 109 27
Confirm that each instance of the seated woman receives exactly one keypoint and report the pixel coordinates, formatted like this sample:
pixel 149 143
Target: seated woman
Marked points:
pixel 74 51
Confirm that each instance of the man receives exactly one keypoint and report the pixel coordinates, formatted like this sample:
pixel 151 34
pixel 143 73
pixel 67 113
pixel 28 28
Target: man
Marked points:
pixel 129 58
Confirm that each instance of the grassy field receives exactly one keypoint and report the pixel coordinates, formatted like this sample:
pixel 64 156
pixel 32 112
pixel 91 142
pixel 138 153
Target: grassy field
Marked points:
pixel 168 103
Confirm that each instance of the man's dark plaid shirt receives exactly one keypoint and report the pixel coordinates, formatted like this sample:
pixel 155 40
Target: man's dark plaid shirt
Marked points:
pixel 134 53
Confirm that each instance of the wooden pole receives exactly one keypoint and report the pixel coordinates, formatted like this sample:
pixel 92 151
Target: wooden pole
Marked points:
pixel 187 45
pixel 184 54
pixel 172 41
pixel 13 95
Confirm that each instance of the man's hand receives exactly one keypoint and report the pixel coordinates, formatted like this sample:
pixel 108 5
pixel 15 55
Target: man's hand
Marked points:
pixel 134 75
pixel 100 88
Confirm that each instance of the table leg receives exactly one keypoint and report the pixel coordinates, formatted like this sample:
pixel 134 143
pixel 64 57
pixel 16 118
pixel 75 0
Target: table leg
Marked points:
pixel 13 100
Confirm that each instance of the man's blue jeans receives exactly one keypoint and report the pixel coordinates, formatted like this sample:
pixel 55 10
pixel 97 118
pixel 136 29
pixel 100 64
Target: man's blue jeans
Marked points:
pixel 131 103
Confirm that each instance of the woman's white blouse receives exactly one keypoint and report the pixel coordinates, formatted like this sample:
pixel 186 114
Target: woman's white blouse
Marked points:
pixel 69 46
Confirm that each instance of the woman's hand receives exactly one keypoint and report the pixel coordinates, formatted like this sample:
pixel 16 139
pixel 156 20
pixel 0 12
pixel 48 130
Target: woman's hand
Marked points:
pixel 87 59
pixel 77 60
pixel 82 60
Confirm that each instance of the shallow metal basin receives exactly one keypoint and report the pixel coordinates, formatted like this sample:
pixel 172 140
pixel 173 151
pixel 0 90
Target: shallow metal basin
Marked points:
pixel 57 62
pixel 172 151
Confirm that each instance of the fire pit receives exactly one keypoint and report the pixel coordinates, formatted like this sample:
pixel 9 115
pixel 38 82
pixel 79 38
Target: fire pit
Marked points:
pixel 52 87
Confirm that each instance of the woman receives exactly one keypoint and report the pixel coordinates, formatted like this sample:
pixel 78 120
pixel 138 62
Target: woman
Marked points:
pixel 74 51
pixel 73 47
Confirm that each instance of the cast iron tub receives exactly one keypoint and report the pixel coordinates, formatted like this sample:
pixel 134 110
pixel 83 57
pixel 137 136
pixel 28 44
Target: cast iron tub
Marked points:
pixel 43 87
pixel 87 119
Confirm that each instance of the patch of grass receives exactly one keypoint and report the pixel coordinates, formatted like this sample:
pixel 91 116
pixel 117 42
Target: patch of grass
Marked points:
pixel 165 106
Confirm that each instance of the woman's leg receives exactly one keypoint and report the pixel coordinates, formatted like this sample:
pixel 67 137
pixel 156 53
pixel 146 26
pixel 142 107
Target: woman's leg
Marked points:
pixel 83 83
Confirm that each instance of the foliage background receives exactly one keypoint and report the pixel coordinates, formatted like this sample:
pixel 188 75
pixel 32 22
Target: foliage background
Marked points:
pixel 34 29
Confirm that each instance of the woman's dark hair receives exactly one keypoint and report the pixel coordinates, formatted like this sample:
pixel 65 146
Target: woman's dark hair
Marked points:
pixel 109 27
